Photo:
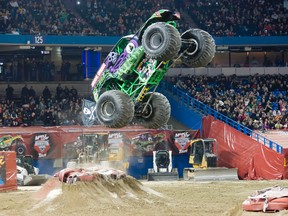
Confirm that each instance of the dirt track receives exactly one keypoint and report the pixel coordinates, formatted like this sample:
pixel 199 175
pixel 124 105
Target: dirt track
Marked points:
pixel 132 198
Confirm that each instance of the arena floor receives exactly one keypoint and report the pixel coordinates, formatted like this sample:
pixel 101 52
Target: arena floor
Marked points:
pixel 139 198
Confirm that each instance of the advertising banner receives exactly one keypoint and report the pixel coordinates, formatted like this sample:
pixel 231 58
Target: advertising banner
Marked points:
pixel 2 168
pixel 183 138
pixel 8 171
pixel 53 147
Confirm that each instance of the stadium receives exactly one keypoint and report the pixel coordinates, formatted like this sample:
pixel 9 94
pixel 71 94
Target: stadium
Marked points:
pixel 143 107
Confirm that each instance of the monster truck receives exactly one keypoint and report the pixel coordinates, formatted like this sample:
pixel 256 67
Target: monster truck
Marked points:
pixel 13 143
pixel 27 174
pixel 124 86
pixel 148 142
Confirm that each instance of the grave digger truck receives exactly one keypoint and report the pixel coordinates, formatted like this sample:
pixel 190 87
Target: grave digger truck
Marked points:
pixel 124 87
pixel 203 158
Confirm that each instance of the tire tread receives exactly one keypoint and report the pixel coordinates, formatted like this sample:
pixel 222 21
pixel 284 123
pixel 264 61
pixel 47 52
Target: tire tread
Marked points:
pixel 206 55
pixel 172 47
pixel 125 112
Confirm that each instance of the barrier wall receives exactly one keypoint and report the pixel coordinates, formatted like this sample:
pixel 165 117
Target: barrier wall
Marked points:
pixel 237 150
pixel 183 113
pixel 53 147
pixel 111 40
pixel 8 171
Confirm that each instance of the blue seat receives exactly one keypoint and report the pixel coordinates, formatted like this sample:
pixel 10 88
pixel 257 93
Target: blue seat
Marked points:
pixel 276 93
pixel 275 106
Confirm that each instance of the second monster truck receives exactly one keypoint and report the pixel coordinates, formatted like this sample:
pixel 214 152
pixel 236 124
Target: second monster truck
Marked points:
pixel 124 86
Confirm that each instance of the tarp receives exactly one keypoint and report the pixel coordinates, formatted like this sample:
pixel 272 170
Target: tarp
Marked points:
pixel 237 150
pixel 8 171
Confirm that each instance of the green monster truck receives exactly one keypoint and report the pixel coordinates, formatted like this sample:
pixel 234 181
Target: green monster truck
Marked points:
pixel 147 142
pixel 13 143
pixel 124 87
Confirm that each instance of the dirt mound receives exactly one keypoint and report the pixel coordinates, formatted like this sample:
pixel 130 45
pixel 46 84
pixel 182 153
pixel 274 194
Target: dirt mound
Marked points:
pixel 99 195
pixel 104 188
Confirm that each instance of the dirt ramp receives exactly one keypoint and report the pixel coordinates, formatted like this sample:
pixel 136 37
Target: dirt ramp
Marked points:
pixel 50 185
pixel 105 189
pixel 102 196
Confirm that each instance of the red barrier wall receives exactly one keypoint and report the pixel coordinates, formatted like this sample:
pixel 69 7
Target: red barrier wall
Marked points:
pixel 235 149
pixel 53 147
pixel 8 171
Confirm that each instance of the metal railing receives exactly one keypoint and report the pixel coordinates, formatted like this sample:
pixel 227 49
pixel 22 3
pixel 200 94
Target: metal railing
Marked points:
pixel 195 105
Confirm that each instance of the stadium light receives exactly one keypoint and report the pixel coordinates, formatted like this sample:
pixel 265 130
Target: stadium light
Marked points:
pixel 78 2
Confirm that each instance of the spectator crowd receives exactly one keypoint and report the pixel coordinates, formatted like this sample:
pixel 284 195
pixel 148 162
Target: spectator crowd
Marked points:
pixel 122 17
pixel 41 17
pixel 63 108
pixel 115 18
pixel 257 102
pixel 239 18
pixel 70 17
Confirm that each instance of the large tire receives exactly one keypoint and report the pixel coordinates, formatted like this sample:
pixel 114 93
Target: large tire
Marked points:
pixel 114 109
pixel 197 48
pixel 157 112
pixel 20 148
pixel 161 41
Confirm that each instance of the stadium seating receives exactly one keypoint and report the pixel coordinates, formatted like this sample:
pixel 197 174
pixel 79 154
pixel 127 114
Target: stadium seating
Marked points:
pixel 41 17
pixel 116 18
pixel 251 102
pixel 238 18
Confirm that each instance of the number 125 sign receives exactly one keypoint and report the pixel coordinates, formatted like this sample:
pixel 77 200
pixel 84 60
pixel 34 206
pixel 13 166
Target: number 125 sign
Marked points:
pixel 39 39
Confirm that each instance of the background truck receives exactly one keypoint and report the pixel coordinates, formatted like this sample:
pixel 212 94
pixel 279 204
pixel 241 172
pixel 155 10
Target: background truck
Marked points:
pixel 162 167
pixel 13 143
pixel 124 87
pixel 203 158
pixel 27 174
